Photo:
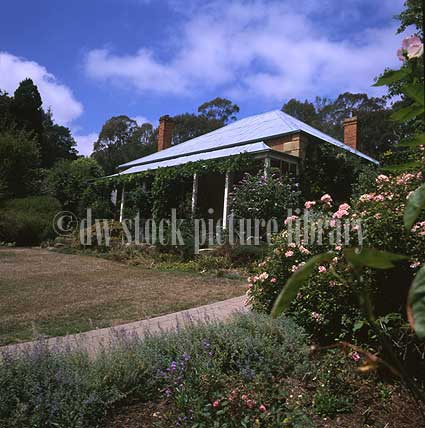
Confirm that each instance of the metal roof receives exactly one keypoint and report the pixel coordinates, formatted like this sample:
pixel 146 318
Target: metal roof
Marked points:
pixel 258 147
pixel 251 129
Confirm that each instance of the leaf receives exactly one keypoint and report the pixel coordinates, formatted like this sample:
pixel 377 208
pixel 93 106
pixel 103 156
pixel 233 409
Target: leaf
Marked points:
pixel 404 167
pixel 416 92
pixel 415 203
pixel 416 303
pixel 369 257
pixel 407 113
pixel 359 324
pixel 294 283
pixel 416 141
pixel 391 76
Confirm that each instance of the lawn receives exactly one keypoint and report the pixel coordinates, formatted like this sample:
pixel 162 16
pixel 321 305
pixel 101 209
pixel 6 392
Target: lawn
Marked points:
pixel 45 293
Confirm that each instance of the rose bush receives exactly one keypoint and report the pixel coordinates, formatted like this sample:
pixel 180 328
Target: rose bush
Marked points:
pixel 327 305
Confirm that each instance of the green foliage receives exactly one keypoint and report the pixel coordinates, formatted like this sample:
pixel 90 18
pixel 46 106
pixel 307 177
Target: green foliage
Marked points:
pixel 97 197
pixel 27 110
pixel 369 257
pixel 188 126
pixel 377 132
pixel 190 369
pixel 415 204
pixel 212 115
pixel 335 392
pixel 219 109
pixel 413 14
pixel 417 303
pixel 19 156
pixel 28 221
pixel 327 303
pixel 294 283
pixel 121 140
pixel 365 181
pixel 57 142
pixel 264 196
pixel 68 180
pixel 29 141
pixel 328 169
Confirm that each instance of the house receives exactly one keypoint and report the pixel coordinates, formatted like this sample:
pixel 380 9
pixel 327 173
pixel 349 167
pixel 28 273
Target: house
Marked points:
pixel 274 138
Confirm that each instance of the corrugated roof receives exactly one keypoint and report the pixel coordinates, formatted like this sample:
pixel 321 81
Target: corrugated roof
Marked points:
pixel 215 154
pixel 252 128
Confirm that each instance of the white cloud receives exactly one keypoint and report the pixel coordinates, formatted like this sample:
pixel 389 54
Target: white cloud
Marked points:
pixel 103 65
pixel 85 143
pixel 141 120
pixel 54 94
pixel 273 50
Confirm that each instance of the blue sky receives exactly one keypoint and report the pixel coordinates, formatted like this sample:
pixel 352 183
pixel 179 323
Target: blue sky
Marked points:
pixel 94 59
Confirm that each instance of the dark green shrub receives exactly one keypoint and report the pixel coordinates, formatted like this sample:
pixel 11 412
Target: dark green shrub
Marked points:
pixel 243 255
pixel 28 221
pixel 264 197
pixel 19 158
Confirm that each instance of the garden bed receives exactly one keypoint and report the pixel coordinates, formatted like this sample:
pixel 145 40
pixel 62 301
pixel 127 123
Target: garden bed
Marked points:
pixel 251 372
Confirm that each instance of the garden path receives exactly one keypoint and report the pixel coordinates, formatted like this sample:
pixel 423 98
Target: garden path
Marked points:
pixel 95 340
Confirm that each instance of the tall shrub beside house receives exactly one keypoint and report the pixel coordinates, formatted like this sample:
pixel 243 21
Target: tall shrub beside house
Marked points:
pixel 264 196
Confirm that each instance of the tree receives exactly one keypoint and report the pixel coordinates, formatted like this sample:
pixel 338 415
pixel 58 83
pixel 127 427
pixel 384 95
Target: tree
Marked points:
pixel 5 110
pixel 219 109
pixel 212 115
pixel 412 15
pixel 377 132
pixel 19 156
pixel 27 110
pixel 305 111
pixel 122 140
pixel 188 126
pixel 57 142
pixel 67 180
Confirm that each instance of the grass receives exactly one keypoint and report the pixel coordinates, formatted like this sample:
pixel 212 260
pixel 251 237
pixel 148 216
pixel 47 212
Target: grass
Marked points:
pixel 47 294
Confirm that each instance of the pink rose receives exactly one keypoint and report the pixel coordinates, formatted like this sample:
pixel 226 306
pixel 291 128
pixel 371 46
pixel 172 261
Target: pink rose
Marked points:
pixel 400 54
pixel 273 280
pixel 326 199
pixel 263 276
pixel 289 253
pixel 290 219
pixel 250 403
pixel 340 213
pixel 216 404
pixel 382 179
pixel 411 47
pixel 344 207
pixel 322 269
pixel 355 356
pixel 309 204
pixel 262 408
pixel 304 250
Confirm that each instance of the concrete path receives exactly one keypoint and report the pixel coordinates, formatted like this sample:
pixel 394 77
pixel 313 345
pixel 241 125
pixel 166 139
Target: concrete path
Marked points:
pixel 96 340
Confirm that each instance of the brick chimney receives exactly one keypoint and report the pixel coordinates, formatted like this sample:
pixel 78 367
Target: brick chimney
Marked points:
pixel 165 132
pixel 351 133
